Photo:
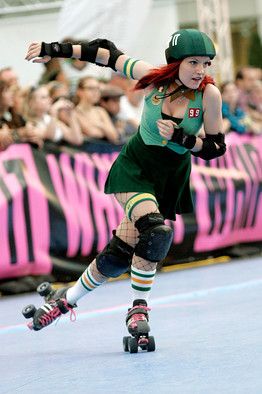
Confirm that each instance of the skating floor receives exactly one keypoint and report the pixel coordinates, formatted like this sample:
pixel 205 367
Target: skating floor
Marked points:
pixel 207 324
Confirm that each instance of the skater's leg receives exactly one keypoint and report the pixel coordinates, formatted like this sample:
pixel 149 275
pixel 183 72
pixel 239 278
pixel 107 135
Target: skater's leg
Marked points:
pixel 142 277
pixel 132 234
pixel 111 262
pixel 88 281
pixel 142 271
pixel 114 260
pixel 153 239
pixel 152 244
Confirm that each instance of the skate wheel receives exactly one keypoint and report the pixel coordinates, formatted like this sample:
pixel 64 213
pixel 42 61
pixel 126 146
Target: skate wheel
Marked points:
pixel 151 347
pixel 125 344
pixel 44 289
pixel 132 345
pixel 29 311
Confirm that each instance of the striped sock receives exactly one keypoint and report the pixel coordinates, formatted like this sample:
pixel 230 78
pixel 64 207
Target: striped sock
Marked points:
pixel 84 285
pixel 141 283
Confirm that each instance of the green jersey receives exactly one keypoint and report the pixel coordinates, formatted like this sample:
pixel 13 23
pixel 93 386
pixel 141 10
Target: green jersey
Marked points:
pixel 191 123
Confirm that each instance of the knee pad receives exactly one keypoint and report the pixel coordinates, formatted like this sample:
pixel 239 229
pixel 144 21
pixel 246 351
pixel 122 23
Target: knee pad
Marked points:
pixel 115 258
pixel 155 237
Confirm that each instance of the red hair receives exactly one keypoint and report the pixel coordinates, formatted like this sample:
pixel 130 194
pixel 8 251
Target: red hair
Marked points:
pixel 166 75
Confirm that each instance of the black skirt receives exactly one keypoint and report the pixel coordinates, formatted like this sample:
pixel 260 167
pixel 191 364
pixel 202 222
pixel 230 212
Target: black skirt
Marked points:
pixel 156 170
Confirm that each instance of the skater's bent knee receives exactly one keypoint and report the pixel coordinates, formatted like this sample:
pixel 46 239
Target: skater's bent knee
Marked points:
pixel 115 258
pixel 155 237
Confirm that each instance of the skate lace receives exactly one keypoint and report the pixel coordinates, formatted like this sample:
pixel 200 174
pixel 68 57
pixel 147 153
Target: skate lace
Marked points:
pixel 138 316
pixel 72 315
pixel 54 313
pixel 146 308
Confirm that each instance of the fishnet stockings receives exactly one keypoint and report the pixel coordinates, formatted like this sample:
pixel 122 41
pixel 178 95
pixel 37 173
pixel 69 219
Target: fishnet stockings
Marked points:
pixel 96 274
pixel 128 232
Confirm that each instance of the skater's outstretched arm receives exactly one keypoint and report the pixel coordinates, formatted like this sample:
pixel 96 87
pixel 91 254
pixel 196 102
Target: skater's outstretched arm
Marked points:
pixel 100 51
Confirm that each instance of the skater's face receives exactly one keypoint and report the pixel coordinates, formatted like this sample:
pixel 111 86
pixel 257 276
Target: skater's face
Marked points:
pixel 192 70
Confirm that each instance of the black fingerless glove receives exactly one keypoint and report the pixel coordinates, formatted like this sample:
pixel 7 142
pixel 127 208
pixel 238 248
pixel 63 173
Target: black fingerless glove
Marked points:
pixel 186 140
pixel 89 52
pixel 56 49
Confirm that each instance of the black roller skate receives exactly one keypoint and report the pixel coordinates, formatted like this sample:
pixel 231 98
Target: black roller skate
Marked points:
pixel 55 306
pixel 137 325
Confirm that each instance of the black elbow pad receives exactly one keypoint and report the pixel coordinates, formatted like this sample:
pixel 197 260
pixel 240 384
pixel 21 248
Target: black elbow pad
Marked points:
pixel 209 150
pixel 89 52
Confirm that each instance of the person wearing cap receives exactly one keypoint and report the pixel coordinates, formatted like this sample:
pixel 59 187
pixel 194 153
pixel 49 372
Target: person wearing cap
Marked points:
pixel 150 177
pixel 110 101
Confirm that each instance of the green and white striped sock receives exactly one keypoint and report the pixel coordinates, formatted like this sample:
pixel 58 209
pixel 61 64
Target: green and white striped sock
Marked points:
pixel 84 285
pixel 141 282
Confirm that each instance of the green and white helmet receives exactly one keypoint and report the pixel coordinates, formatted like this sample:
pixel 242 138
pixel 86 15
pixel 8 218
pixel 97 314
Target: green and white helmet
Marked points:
pixel 189 42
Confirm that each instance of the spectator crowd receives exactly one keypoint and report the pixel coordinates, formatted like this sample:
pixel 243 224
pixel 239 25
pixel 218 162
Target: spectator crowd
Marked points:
pixel 74 102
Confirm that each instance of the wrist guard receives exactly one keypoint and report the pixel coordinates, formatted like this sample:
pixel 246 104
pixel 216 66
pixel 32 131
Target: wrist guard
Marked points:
pixel 56 49
pixel 89 52
pixel 209 150
pixel 186 140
